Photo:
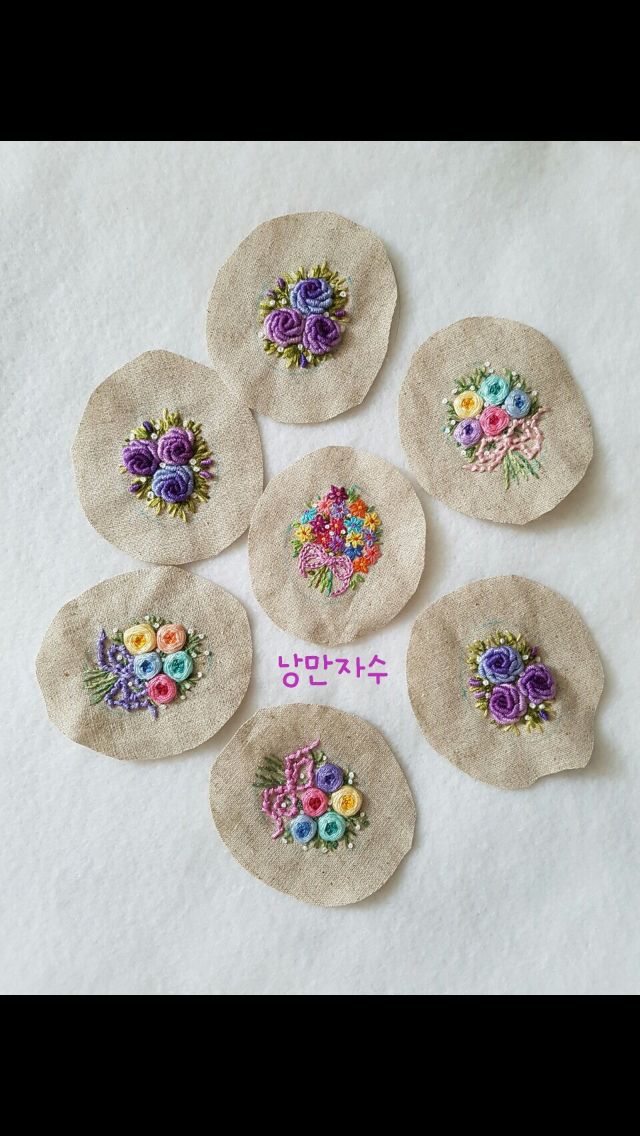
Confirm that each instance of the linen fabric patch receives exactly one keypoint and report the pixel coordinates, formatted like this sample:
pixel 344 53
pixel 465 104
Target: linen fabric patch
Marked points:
pixel 504 679
pixel 284 800
pixel 168 463
pixel 492 422
pixel 299 316
pixel 146 665
pixel 353 557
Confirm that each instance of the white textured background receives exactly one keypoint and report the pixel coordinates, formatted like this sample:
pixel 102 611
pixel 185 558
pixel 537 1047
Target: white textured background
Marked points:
pixel 113 878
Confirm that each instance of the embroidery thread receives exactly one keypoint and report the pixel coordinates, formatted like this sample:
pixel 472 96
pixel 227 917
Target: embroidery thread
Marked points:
pixel 494 419
pixel 509 683
pixel 148 665
pixel 170 463
pixel 302 317
pixel 316 798
pixel 336 541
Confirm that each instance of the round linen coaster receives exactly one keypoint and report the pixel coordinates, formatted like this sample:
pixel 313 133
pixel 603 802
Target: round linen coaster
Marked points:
pixel 336 545
pixel 168 463
pixel 504 679
pixel 492 422
pixel 313 802
pixel 146 665
pixel 299 316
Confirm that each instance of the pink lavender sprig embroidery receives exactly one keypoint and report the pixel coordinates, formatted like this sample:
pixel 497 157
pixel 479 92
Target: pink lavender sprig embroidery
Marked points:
pixel 150 664
pixel 302 316
pixel 495 420
pixel 311 801
pixel 337 540
pixel 509 683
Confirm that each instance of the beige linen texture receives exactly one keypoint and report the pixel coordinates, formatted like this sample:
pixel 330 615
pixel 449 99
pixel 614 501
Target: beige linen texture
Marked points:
pixel 140 390
pixel 438 462
pixel 287 597
pixel 70 645
pixel 233 319
pixel 329 879
pixel 437 676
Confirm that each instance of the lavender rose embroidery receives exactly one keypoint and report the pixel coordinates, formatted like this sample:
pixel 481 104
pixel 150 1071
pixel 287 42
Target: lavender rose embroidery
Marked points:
pixel 500 664
pixel 312 296
pixel 537 684
pixel 468 432
pixel 284 326
pixel 321 334
pixel 507 704
pixel 141 458
pixel 173 483
pixel 176 446
pixel 329 777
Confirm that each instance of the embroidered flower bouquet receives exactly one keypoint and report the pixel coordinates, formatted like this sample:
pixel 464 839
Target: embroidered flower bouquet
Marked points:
pixel 509 682
pixel 494 419
pixel 337 540
pixel 170 463
pixel 302 316
pixel 311 801
pixel 148 665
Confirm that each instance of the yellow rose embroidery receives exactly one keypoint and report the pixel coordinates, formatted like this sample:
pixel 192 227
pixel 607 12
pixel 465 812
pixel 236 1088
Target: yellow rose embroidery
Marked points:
pixel 139 639
pixel 468 404
pixel 346 801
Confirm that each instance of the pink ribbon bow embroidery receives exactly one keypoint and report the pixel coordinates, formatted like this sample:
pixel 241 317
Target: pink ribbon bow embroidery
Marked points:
pixel 313 556
pixel 523 434
pixel 279 801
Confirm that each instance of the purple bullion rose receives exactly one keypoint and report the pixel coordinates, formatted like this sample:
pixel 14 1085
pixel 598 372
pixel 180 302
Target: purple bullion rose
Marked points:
pixel 321 334
pixel 537 684
pixel 468 432
pixel 507 703
pixel 176 446
pixel 284 327
pixel 312 296
pixel 500 664
pixel 329 777
pixel 174 483
pixel 141 457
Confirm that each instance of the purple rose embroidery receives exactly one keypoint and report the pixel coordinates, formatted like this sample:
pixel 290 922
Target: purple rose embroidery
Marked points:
pixel 312 296
pixel 284 327
pixel 507 704
pixel 513 693
pixel 321 334
pixel 329 777
pixel 176 446
pixel 537 684
pixel 500 664
pixel 468 432
pixel 173 483
pixel 140 457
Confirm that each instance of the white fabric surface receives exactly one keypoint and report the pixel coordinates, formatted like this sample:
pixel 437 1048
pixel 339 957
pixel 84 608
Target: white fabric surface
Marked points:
pixel 113 878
